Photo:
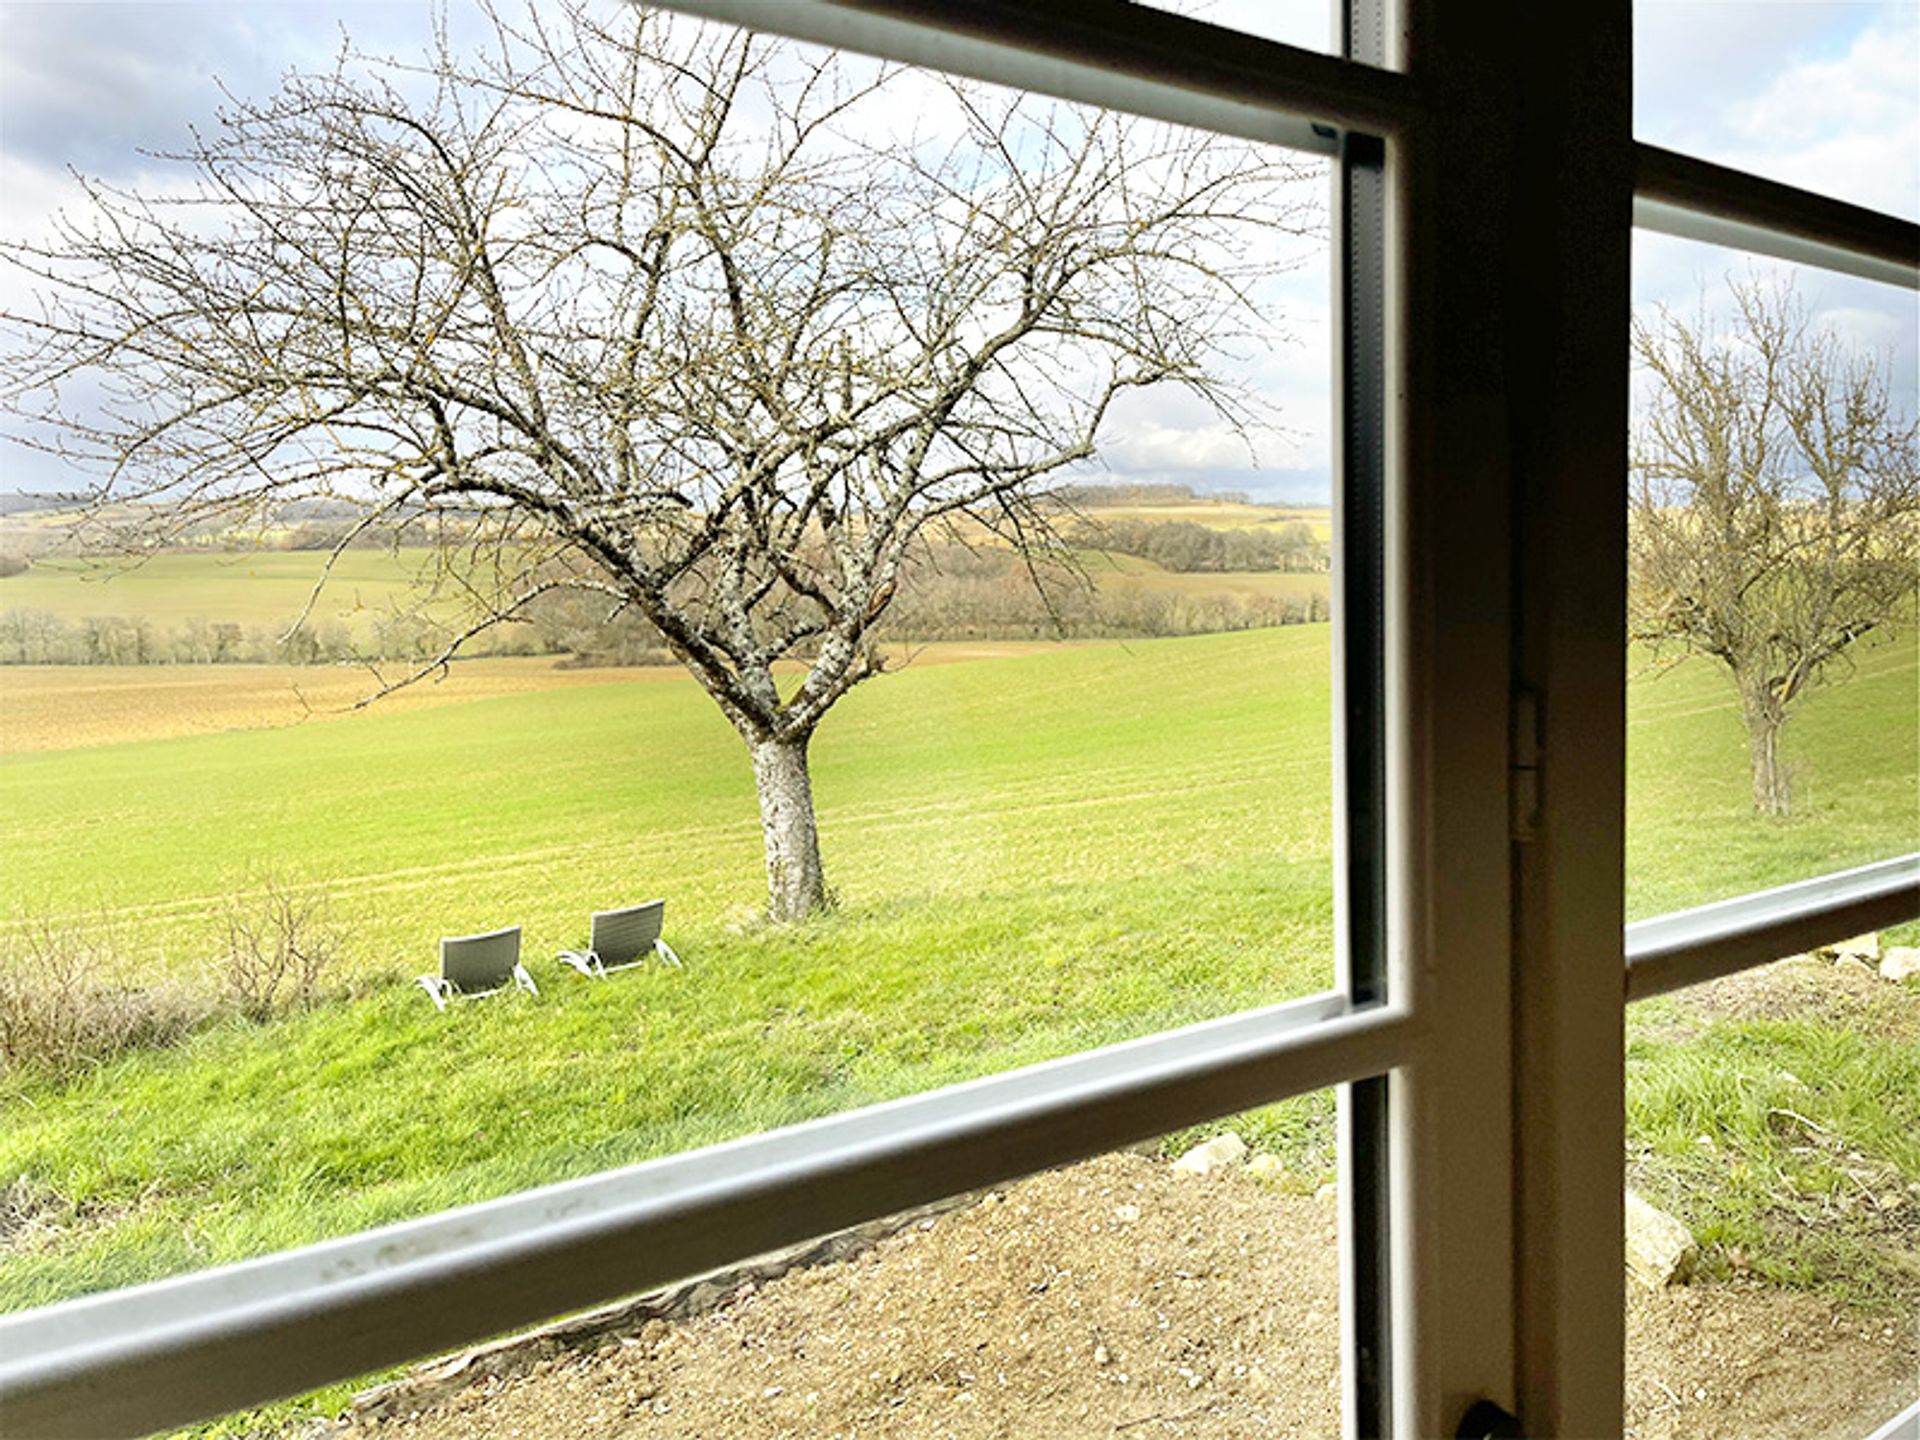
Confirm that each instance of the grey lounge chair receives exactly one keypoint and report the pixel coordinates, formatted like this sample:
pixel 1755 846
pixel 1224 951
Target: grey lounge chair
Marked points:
pixel 622 939
pixel 476 965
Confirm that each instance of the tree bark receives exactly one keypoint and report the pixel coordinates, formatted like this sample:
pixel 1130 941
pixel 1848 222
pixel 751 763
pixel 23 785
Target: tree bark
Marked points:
pixel 1771 786
pixel 796 883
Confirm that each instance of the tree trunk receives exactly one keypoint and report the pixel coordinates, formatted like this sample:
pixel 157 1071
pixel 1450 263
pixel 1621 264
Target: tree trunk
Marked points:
pixel 796 884
pixel 1771 789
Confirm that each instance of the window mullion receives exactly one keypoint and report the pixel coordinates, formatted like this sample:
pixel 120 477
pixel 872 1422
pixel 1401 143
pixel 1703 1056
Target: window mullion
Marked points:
pixel 1448 604
pixel 1567 247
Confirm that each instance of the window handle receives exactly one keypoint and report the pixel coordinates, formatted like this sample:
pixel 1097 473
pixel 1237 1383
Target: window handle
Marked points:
pixel 1487 1421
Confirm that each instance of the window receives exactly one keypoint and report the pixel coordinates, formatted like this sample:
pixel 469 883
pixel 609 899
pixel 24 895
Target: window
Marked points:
pixel 1488 184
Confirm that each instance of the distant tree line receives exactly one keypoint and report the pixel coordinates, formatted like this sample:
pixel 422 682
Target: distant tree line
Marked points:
pixel 946 592
pixel 1191 548
pixel 30 636
pixel 952 592
pixel 1103 497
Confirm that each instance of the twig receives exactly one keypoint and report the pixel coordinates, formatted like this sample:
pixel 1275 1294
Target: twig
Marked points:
pixel 1120 1425
pixel 1796 1115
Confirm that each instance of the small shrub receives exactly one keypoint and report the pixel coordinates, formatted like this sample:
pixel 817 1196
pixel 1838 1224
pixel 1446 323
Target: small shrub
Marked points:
pixel 61 1008
pixel 280 941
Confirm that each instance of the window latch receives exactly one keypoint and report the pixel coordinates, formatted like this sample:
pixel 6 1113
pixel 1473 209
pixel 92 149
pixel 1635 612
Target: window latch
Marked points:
pixel 1488 1421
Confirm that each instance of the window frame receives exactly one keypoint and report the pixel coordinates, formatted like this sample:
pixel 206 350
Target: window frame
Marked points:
pixel 1505 959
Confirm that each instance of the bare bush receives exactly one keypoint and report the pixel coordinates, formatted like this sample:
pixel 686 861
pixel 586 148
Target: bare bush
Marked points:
pixel 62 1009
pixel 280 941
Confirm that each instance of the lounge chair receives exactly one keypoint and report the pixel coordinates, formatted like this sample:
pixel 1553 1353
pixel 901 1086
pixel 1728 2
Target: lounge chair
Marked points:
pixel 476 965
pixel 622 939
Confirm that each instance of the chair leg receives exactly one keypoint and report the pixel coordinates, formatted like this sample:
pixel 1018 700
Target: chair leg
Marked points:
pixel 436 987
pixel 587 962
pixel 524 980
pixel 666 953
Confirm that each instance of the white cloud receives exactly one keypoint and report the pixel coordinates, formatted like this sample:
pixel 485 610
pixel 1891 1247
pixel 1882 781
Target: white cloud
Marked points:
pixel 1823 96
pixel 1848 126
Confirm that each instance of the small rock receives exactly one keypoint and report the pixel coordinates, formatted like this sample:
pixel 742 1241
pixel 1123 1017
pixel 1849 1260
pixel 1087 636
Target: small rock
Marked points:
pixel 1126 1214
pixel 1266 1167
pixel 1865 947
pixel 1854 965
pixel 1901 962
pixel 1219 1153
pixel 1660 1250
pixel 1102 1356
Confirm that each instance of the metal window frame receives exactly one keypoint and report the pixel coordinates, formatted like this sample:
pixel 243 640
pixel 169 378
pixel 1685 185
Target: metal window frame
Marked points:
pixel 1689 947
pixel 1504 561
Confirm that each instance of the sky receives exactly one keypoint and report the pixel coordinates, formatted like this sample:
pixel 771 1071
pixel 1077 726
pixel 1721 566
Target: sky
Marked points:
pixel 1824 95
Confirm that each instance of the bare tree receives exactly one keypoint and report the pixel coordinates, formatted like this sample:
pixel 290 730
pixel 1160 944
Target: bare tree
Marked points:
pixel 1774 505
pixel 710 327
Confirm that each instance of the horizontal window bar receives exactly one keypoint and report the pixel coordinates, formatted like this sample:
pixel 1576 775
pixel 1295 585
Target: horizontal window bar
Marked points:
pixel 1698 200
pixel 1904 1426
pixel 1109 53
pixel 1690 946
pixel 200 1345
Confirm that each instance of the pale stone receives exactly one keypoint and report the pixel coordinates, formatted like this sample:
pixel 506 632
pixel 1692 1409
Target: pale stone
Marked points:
pixel 1660 1250
pixel 1266 1167
pixel 1854 965
pixel 1865 947
pixel 1219 1153
pixel 1901 962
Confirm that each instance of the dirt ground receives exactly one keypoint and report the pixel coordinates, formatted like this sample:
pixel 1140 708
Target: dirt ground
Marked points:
pixel 1120 1297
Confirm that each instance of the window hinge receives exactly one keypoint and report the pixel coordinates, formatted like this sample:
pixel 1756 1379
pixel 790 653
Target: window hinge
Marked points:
pixel 1523 787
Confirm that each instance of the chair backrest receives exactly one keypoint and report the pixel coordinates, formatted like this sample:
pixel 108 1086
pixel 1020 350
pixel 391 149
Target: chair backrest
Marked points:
pixel 480 962
pixel 622 936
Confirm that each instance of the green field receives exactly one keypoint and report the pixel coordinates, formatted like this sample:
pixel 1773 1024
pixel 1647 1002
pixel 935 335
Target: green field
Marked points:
pixel 1033 854
pixel 267 588
pixel 1854 749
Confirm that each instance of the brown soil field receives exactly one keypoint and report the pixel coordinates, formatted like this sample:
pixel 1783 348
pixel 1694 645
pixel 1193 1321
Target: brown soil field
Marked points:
pixel 1120 1297
pixel 68 707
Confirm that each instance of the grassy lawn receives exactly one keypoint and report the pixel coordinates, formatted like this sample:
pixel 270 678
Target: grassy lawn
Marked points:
pixel 1779 1112
pixel 1034 852
pixel 1854 749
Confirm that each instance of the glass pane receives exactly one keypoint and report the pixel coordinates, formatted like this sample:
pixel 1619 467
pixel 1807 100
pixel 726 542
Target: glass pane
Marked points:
pixel 1773 521
pixel 1772 1119
pixel 855 430
pixel 1815 94
pixel 1188 1286
pixel 1305 23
